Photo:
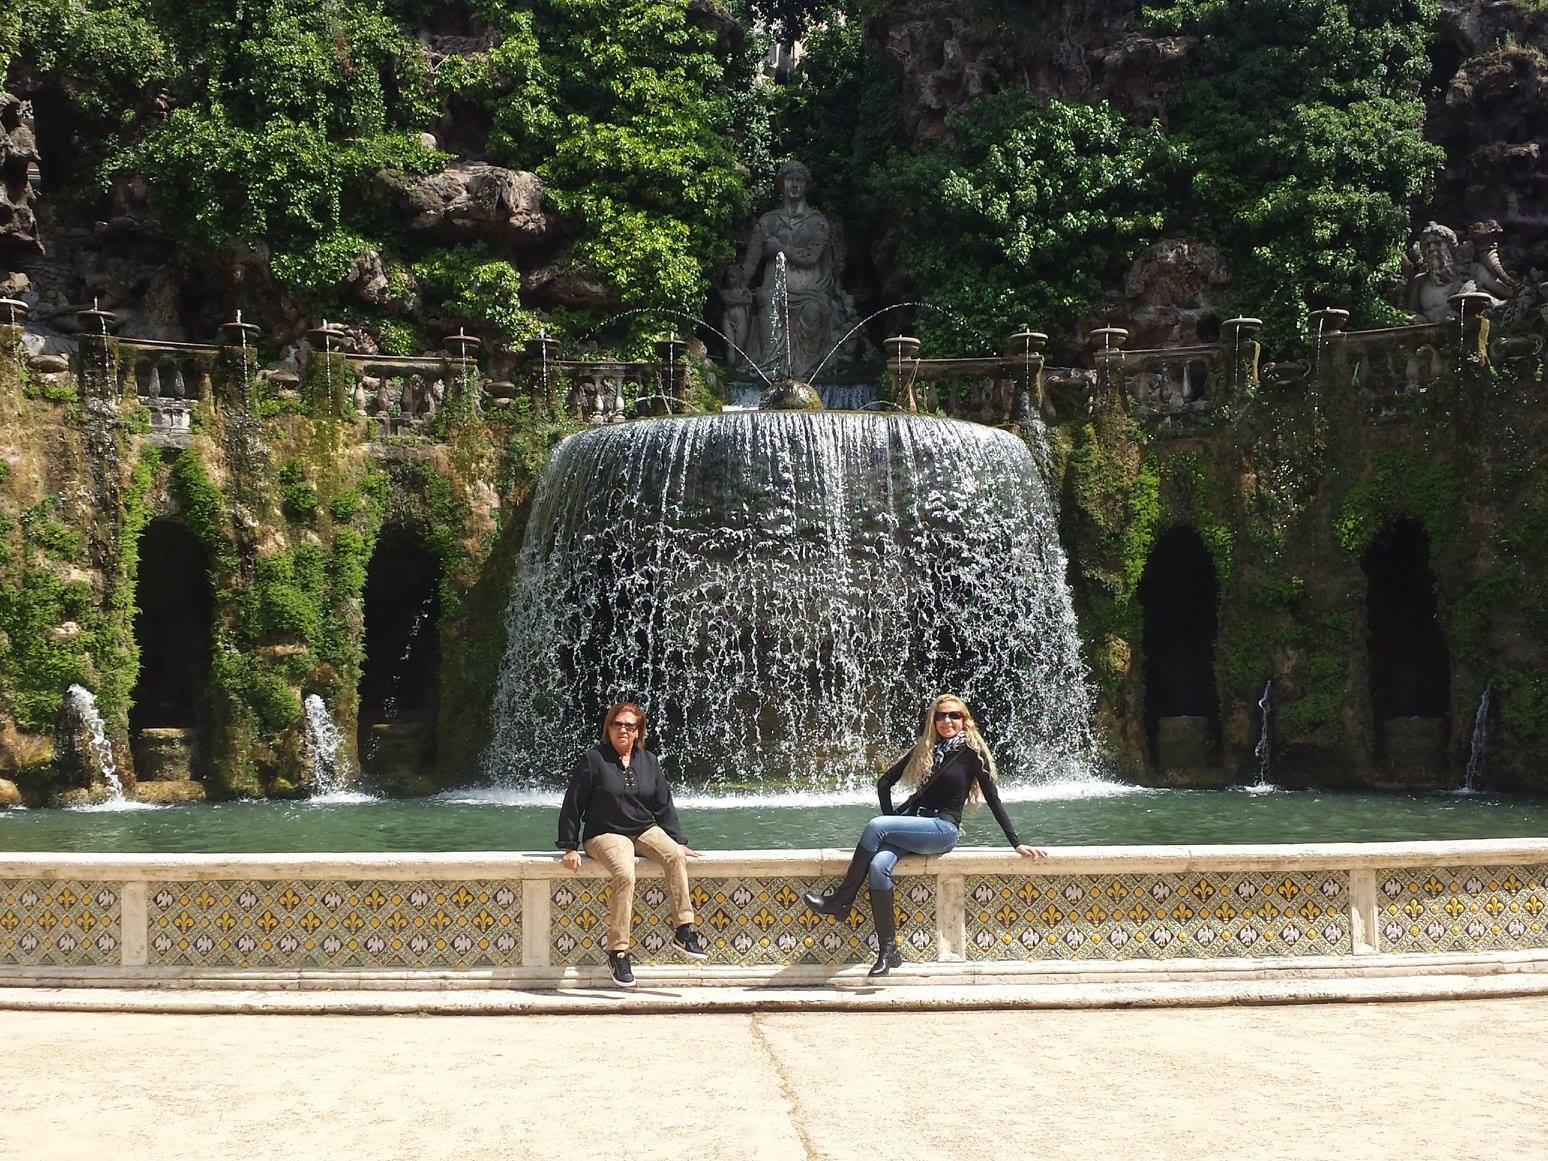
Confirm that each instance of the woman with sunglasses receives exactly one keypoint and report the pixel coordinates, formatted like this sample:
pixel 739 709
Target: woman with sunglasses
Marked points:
pixel 618 804
pixel 949 767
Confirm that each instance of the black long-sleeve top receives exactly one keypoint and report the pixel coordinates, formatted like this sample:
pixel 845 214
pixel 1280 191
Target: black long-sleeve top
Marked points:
pixel 945 792
pixel 606 798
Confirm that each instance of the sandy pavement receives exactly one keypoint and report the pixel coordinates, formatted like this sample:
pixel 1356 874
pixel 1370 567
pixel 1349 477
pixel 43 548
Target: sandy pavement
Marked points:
pixel 1453 1081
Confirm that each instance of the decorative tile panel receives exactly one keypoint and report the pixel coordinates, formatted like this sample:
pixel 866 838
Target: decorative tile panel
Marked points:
pixel 336 924
pixel 1197 915
pixel 51 922
pixel 1462 908
pixel 744 920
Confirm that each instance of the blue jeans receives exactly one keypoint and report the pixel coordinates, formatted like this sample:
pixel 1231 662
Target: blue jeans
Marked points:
pixel 890 835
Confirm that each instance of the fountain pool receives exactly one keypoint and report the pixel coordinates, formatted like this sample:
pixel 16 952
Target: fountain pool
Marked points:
pixel 1093 813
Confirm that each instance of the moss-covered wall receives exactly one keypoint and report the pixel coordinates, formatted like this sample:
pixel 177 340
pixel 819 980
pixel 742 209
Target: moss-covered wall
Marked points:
pixel 1288 483
pixel 281 488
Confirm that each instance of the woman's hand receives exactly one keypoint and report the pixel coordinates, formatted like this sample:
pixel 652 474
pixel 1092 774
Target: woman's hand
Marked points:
pixel 571 860
pixel 1027 852
pixel 689 852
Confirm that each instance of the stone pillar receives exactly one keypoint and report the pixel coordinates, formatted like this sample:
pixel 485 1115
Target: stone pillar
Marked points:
pixel 1023 355
pixel 99 361
pixel 461 374
pixel 670 354
pixel 543 365
pixel 239 355
pixel 13 319
pixel 1107 356
pixel 1473 323
pixel 903 361
pixel 328 389
pixel 1325 332
pixel 1239 341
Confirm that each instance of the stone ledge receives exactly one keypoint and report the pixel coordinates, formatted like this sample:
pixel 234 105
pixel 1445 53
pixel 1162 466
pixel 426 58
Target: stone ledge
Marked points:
pixel 655 998
pixel 964 860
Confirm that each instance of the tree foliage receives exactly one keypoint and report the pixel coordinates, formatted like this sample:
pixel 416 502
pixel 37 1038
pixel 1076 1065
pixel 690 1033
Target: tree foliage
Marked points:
pixel 1028 212
pixel 1302 121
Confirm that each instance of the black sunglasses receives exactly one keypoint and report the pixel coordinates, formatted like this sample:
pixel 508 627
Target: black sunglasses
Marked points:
pixel 949 715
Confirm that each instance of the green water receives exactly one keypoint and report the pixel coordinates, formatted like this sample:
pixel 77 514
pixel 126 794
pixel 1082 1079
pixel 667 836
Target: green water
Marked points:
pixel 1056 816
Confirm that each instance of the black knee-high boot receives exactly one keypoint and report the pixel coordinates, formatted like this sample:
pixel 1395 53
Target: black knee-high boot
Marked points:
pixel 838 901
pixel 887 954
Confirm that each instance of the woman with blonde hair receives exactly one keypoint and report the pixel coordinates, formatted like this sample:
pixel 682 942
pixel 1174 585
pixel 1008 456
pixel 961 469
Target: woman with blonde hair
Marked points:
pixel 950 767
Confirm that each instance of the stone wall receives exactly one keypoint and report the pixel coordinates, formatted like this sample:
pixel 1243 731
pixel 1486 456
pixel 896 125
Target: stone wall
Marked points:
pixel 286 474
pixel 1336 907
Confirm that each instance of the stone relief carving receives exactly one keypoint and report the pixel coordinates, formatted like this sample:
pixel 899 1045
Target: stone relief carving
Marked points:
pixel 1445 266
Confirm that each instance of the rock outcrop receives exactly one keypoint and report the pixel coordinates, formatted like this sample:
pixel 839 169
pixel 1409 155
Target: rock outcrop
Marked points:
pixel 18 171
pixel 472 200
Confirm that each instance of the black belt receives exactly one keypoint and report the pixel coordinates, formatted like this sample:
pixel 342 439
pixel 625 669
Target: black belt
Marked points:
pixel 933 812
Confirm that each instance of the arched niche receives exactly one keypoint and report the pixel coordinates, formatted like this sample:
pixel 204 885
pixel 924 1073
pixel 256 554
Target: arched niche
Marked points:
pixel 173 623
pixel 1179 595
pixel 1409 665
pixel 400 677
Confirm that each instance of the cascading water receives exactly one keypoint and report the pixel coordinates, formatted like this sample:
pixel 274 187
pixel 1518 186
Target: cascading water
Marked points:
pixel 835 396
pixel 781 591
pixel 85 703
pixel 330 768
pixel 1264 750
pixel 1478 745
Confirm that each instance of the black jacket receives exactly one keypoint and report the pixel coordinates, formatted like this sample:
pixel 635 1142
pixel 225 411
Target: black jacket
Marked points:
pixel 604 798
pixel 945 791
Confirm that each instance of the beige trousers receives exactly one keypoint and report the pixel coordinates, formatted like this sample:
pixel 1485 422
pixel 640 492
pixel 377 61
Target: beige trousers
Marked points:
pixel 616 854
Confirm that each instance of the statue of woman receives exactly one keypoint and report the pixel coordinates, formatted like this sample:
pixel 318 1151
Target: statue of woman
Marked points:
pixel 815 302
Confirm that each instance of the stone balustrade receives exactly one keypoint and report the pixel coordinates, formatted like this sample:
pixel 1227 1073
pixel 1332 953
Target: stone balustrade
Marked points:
pixel 431 920
pixel 1170 390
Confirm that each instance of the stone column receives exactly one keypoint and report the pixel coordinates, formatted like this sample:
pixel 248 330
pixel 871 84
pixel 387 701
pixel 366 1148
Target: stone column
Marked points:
pixel 461 374
pixel 328 389
pixel 1107 357
pixel 903 361
pixel 1325 331
pixel 1239 342
pixel 543 366
pixel 1023 360
pixel 674 378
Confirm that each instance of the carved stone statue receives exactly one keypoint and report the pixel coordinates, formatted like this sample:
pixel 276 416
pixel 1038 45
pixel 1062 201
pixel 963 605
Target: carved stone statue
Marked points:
pixel 1447 267
pixel 815 302
pixel 736 309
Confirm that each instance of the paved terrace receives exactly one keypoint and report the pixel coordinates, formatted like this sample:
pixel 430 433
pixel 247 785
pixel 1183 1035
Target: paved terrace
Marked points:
pixel 1453 1080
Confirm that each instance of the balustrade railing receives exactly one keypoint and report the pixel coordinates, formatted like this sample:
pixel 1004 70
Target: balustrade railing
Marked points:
pixel 1169 390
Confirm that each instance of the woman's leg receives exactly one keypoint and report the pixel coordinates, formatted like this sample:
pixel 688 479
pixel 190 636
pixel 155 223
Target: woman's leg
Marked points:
pixel 838 901
pixel 616 854
pixel 920 836
pixel 658 846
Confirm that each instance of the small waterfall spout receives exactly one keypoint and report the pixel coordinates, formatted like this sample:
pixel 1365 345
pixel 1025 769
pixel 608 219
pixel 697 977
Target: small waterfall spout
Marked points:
pixel 782 590
pixel 85 703
pixel 1264 750
pixel 1478 747
pixel 330 768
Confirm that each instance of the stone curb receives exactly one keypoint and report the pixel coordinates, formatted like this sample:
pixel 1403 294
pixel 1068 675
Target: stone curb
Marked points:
pixel 647 999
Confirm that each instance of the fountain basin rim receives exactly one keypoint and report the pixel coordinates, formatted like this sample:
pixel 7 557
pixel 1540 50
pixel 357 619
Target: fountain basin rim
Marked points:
pixel 763 414
pixel 964 860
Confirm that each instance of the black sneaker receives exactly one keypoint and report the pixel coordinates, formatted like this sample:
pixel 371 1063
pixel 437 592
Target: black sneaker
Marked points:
pixel 688 942
pixel 621 970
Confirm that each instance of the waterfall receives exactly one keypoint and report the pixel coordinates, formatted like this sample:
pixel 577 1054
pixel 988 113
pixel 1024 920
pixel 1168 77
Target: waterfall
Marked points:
pixel 85 703
pixel 835 396
pixel 782 591
pixel 330 768
pixel 1478 746
pixel 1264 750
